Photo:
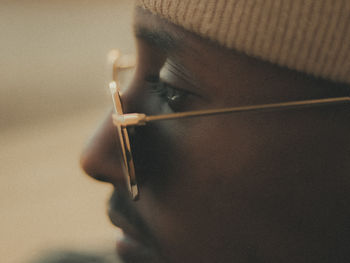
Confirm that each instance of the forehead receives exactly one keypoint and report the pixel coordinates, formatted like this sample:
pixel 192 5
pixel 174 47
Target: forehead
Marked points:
pixel 215 65
pixel 185 46
pixel 188 47
pixel 166 36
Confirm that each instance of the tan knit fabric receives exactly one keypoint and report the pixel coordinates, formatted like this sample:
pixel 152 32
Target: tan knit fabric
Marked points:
pixel 311 36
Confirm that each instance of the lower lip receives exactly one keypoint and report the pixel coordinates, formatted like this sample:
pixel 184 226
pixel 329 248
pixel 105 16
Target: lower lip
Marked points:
pixel 132 251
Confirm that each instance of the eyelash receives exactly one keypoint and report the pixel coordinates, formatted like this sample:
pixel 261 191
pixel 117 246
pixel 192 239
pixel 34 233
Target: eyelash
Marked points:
pixel 170 95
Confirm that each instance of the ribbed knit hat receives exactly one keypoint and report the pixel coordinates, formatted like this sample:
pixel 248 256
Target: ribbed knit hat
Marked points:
pixel 311 36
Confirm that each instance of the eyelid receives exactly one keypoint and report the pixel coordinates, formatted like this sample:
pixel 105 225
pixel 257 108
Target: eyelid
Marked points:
pixel 152 78
pixel 177 76
pixel 155 79
pixel 184 90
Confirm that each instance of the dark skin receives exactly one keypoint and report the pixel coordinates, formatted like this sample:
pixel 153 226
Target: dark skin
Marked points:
pixel 247 187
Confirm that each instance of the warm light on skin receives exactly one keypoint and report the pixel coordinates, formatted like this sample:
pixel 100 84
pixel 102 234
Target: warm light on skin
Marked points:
pixel 260 181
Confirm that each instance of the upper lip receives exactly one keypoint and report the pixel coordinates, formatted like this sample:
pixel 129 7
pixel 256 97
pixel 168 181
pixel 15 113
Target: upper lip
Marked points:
pixel 121 221
pixel 123 216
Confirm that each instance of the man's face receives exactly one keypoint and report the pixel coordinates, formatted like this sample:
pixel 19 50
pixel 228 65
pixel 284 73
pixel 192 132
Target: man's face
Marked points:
pixel 246 187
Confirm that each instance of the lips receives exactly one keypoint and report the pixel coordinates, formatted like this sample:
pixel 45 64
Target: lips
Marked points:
pixel 120 221
pixel 130 247
pixel 136 244
pixel 132 251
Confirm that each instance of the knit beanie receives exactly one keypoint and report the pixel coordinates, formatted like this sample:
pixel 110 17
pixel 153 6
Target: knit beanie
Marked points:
pixel 311 36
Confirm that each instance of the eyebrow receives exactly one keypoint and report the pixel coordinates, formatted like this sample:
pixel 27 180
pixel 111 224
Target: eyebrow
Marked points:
pixel 159 38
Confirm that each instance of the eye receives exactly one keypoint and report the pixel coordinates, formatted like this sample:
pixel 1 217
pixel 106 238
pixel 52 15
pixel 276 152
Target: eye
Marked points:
pixel 175 98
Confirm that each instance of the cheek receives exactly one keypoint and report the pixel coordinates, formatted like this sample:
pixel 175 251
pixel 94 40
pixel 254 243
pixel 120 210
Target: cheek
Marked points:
pixel 269 161
pixel 255 178
pixel 206 189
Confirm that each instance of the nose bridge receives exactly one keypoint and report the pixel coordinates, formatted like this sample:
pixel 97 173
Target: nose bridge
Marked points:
pixel 132 88
pixel 130 99
pixel 100 157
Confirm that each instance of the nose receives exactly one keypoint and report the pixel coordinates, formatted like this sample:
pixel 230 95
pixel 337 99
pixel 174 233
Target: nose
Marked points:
pixel 100 157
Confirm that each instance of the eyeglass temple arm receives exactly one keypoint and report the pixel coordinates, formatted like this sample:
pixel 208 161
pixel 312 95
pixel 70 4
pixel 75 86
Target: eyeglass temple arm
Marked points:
pixel 137 119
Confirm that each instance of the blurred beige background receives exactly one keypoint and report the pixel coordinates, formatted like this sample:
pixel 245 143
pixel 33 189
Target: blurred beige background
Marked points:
pixel 53 75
